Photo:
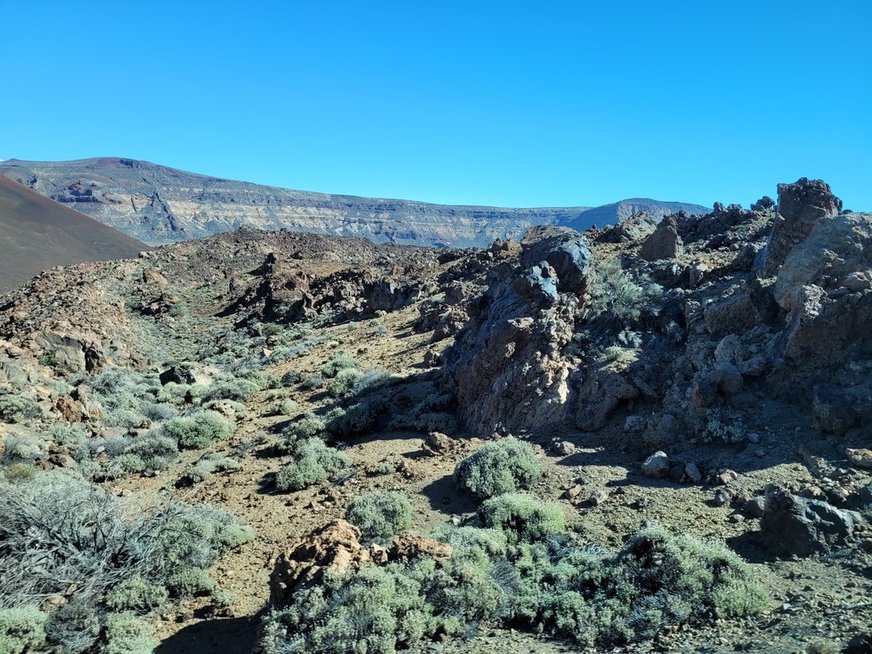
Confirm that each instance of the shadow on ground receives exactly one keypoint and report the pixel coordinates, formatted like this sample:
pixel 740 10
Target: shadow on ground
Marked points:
pixel 225 635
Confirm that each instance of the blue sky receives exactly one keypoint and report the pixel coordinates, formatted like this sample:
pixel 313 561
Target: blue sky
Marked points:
pixel 506 103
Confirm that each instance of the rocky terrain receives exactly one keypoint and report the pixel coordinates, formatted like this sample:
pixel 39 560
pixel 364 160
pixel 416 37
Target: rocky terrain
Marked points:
pixel 158 205
pixel 36 233
pixel 649 436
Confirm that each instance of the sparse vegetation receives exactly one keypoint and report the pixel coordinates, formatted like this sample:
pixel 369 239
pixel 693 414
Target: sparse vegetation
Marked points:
pixel 123 554
pixel 502 466
pixel 380 514
pixel 199 429
pixel 614 291
pixel 313 462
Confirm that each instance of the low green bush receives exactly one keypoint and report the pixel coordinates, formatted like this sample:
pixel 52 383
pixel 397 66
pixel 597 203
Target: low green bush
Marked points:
pixel 17 408
pixel 502 466
pixel 209 464
pixel 74 627
pixel 380 514
pixel 343 382
pixel 313 462
pixel 301 428
pixel 198 430
pixel 128 634
pixel 523 517
pixel 137 594
pixel 21 629
pixel 286 407
pixel 123 553
pixel 339 361
pixel 548 584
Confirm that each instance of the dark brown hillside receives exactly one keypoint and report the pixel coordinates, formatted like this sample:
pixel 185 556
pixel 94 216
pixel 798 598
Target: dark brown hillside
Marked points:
pixel 37 233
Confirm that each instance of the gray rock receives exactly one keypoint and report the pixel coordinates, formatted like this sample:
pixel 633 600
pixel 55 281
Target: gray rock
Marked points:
pixel 796 526
pixel 692 472
pixel 800 206
pixel 656 465
pixel 664 243
pixel 634 424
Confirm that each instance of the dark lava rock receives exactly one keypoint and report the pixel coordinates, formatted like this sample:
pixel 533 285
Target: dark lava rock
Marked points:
pixel 796 526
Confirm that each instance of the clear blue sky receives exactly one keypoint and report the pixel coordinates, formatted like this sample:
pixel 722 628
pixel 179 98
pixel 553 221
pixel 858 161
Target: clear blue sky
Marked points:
pixel 506 103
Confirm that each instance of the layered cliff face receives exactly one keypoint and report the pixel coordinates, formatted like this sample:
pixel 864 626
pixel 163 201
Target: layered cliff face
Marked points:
pixel 159 205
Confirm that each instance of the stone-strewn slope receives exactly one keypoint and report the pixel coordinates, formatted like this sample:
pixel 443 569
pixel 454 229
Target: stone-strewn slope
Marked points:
pixel 161 205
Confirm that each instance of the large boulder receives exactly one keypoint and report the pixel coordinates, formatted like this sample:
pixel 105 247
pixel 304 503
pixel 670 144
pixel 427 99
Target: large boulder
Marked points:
pixel 796 526
pixel 507 366
pixel 800 206
pixel 664 243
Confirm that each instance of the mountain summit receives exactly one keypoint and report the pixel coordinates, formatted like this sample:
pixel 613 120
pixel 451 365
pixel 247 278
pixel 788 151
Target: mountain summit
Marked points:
pixel 157 205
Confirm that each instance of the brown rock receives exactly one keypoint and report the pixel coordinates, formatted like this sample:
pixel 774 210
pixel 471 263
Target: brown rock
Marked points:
pixel 436 444
pixel 70 409
pixel 407 547
pixel 332 548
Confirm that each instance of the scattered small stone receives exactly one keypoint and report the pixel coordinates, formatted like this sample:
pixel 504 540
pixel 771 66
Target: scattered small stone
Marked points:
pixel 726 476
pixel 564 448
pixel 573 492
pixel 642 503
pixel 737 517
pixel 722 497
pixel 599 497
pixel 753 437
pixel 656 465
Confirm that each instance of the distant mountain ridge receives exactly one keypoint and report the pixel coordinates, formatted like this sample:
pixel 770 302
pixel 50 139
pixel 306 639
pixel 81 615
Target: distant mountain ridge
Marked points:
pixel 157 205
pixel 36 234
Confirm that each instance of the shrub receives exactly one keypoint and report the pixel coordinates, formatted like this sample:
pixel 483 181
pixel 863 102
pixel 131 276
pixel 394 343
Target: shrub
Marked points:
pixel 284 407
pixel 67 529
pixel 360 418
pixel 613 291
pixel 23 447
pixel 189 582
pixel 127 418
pixel 301 428
pixel 75 627
pixel 19 472
pixel 374 609
pixel 380 514
pixel 339 361
pixel 154 448
pixel 128 634
pixel 136 594
pixel 313 382
pixel 314 462
pixel 291 377
pixel 238 390
pixel 556 586
pixel 343 382
pixel 502 466
pixel 198 430
pixel 522 517
pixel 209 464
pixel 21 629
pixel 157 412
pixel 69 436
pixel 16 408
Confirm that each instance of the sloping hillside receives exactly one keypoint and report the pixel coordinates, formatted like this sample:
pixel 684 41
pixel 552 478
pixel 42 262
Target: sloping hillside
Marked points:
pixel 157 204
pixel 37 233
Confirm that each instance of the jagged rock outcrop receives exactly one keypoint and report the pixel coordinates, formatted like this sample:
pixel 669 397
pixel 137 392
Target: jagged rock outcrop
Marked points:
pixel 507 365
pixel 800 206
